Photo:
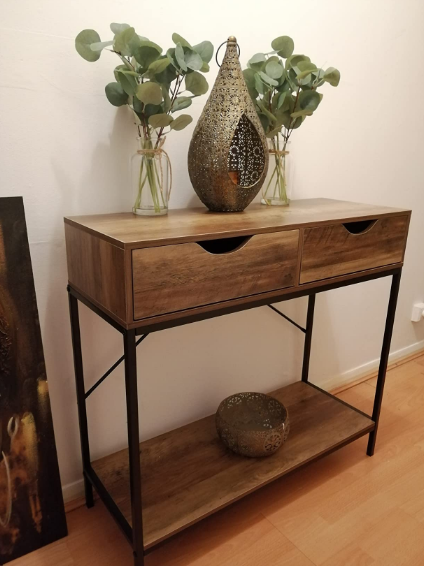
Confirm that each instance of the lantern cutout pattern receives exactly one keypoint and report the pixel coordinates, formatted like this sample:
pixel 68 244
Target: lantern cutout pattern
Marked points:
pixel 228 157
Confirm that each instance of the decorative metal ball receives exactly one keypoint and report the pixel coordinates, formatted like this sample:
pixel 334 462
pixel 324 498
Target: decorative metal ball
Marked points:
pixel 252 424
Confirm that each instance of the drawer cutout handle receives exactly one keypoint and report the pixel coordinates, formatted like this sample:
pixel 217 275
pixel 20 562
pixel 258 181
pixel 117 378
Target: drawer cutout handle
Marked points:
pixel 224 245
pixel 359 227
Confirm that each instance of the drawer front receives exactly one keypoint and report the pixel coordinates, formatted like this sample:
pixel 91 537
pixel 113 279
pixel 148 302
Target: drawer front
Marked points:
pixel 341 249
pixel 176 277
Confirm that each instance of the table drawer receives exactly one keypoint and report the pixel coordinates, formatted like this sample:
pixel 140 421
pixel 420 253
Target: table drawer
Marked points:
pixel 176 277
pixel 340 249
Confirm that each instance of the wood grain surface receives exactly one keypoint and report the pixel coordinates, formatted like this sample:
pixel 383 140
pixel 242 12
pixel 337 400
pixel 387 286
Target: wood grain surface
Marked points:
pixel 344 510
pixel 177 277
pixel 170 280
pixel 191 225
pixel 331 251
pixel 96 268
pixel 188 474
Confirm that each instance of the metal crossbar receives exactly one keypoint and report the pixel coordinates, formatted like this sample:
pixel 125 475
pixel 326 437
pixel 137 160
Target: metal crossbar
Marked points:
pixel 111 369
pixel 288 318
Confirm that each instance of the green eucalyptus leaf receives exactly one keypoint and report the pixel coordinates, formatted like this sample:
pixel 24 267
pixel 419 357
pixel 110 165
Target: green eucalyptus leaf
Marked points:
pixel 205 50
pixel 146 53
pixel 167 76
pixel 160 120
pixel 283 117
pixel 149 93
pixel 301 76
pixel 171 56
pixel 284 85
pixel 257 62
pixel 128 83
pixel 281 99
pixel 137 105
pixel 126 71
pixel 205 67
pixel 303 71
pixel 297 122
pixel 144 42
pixel 181 122
pixel 83 43
pixel 117 28
pixel 181 102
pixel 257 58
pixel 100 45
pixel 260 86
pixel 179 55
pixel 117 69
pixel 126 64
pixel 274 69
pixel 126 42
pixel 159 65
pixel 309 100
pixel 264 121
pixel 249 77
pixel 176 38
pixel 264 110
pixel 273 132
pixel 192 59
pixel 284 45
pixel 196 83
pixel 301 113
pixel 306 66
pixel 166 98
pixel 292 79
pixel 267 79
pixel 152 109
pixel 116 94
pixel 253 93
pixel 294 60
pixel 332 76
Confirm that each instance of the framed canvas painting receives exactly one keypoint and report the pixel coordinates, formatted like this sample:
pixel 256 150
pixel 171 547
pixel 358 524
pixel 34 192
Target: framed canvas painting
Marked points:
pixel 31 504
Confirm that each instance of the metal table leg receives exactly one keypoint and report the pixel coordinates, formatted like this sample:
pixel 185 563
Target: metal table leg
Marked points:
pixel 82 410
pixel 308 337
pixel 133 445
pixel 384 358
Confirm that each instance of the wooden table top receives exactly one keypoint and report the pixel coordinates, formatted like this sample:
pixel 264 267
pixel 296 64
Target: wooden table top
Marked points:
pixel 125 230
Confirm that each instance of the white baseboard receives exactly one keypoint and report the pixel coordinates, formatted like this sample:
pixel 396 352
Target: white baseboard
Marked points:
pixel 356 373
pixel 72 491
pixel 75 490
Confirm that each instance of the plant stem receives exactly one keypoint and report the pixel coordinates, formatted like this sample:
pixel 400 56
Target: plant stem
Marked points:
pixel 174 96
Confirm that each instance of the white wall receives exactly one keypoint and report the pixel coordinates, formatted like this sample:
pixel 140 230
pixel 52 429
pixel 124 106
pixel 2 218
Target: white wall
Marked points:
pixel 66 150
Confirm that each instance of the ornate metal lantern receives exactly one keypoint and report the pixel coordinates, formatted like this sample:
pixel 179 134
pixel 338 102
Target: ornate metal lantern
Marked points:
pixel 228 157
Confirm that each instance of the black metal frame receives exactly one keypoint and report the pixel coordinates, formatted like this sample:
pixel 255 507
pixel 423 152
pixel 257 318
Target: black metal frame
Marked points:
pixel 135 533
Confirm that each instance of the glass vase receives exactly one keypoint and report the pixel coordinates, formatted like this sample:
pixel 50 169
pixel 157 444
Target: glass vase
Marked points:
pixel 151 177
pixel 275 190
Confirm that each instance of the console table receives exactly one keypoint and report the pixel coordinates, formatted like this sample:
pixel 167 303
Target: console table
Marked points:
pixel 144 274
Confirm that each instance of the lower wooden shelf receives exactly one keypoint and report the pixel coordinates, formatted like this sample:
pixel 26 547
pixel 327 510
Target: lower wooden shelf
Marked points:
pixel 187 474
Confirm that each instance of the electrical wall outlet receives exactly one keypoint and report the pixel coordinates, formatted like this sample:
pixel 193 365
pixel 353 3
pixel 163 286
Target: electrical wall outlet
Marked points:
pixel 417 312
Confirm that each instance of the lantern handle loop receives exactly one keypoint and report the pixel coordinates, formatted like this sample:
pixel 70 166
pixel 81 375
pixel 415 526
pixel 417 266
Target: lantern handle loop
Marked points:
pixel 217 51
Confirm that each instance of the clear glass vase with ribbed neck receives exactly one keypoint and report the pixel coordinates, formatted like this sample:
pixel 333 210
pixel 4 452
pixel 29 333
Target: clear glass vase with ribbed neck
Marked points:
pixel 151 177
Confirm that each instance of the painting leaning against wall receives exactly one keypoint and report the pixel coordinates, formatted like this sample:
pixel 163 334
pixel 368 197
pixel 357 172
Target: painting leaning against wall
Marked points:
pixel 31 504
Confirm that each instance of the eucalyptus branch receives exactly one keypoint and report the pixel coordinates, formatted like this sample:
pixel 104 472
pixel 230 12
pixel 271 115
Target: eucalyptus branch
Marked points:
pixel 280 71
pixel 146 84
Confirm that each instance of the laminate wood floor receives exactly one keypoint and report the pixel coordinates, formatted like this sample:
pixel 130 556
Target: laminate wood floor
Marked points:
pixel 344 510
